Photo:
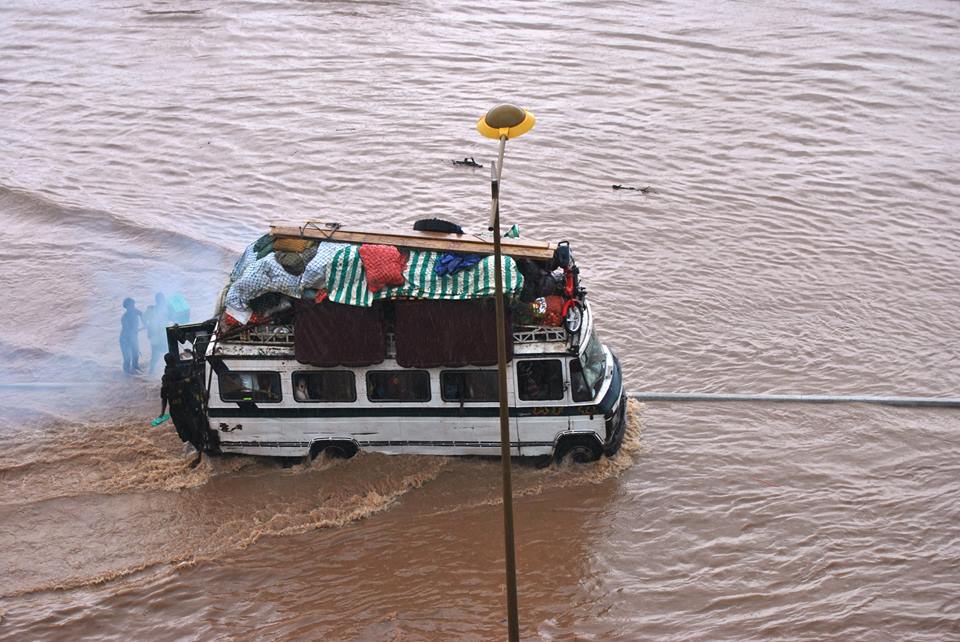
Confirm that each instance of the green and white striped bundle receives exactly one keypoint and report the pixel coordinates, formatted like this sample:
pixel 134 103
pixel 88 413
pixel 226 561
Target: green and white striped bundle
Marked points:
pixel 347 282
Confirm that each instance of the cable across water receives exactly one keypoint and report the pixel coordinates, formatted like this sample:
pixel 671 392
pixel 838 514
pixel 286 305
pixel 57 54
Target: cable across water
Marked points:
pixel 934 402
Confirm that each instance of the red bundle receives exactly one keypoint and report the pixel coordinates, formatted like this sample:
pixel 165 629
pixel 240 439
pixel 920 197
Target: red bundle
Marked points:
pixel 384 265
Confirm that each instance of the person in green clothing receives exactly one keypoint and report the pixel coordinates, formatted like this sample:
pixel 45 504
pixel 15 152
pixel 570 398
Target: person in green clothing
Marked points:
pixel 156 318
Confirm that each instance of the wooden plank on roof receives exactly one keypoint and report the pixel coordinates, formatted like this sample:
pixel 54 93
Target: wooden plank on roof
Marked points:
pixel 439 241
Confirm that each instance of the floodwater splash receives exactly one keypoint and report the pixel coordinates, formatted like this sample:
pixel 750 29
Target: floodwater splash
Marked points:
pixel 571 474
pixel 101 458
pixel 484 486
pixel 136 489
pixel 338 505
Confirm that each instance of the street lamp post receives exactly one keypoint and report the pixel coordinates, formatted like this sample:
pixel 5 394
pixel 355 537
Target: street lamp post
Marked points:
pixel 504 122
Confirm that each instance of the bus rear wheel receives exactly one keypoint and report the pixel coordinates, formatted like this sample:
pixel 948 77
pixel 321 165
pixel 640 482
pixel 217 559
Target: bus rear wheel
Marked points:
pixel 334 449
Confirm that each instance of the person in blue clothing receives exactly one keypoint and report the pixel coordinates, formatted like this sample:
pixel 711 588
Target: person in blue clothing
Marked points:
pixel 130 324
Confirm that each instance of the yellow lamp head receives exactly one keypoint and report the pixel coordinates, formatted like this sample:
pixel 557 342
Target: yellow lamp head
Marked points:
pixel 506 121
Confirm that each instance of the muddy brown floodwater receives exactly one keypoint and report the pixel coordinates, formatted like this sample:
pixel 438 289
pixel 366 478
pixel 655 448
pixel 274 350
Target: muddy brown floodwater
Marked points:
pixel 801 236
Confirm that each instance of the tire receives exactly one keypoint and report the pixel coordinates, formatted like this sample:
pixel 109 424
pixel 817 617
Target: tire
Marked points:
pixel 437 225
pixel 334 450
pixel 579 450
pixel 574 319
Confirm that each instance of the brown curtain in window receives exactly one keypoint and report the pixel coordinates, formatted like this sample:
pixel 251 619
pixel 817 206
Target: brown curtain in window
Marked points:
pixel 329 334
pixel 448 333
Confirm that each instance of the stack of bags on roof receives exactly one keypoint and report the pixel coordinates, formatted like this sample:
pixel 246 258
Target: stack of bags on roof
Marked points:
pixel 349 274
pixel 286 266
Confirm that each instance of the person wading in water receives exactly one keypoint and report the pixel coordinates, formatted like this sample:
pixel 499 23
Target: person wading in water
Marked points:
pixel 129 340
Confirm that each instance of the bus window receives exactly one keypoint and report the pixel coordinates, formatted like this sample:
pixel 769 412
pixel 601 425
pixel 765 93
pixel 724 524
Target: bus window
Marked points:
pixel 398 385
pixel 469 385
pixel 578 383
pixel 325 385
pixel 594 363
pixel 250 386
pixel 540 379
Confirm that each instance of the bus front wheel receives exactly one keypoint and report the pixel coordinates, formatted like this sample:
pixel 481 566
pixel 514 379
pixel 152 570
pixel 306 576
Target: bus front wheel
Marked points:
pixel 579 450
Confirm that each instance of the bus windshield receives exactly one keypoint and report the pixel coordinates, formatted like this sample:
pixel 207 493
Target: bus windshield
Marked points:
pixel 594 362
